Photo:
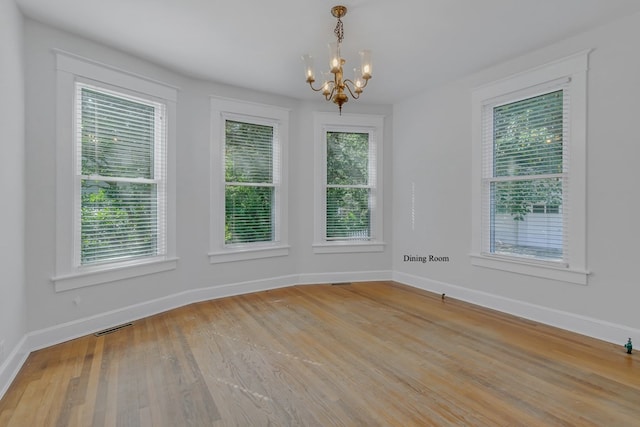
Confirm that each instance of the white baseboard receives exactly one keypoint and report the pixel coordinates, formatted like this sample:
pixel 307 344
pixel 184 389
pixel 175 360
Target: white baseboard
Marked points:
pixel 12 364
pixel 356 276
pixel 64 332
pixel 595 328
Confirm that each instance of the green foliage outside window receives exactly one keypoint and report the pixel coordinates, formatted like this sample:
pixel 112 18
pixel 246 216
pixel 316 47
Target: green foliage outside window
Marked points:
pixel 114 220
pixel 348 209
pixel 528 141
pixel 118 217
pixel 249 189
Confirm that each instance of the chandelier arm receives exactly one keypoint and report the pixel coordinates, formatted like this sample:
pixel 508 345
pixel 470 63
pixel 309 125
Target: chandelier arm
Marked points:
pixel 313 88
pixel 329 96
pixel 366 81
pixel 353 95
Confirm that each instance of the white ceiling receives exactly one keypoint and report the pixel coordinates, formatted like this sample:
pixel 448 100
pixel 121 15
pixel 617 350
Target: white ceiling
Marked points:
pixel 258 43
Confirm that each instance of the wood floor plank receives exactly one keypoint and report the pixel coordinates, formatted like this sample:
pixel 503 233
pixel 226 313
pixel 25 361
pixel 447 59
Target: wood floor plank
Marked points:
pixel 368 354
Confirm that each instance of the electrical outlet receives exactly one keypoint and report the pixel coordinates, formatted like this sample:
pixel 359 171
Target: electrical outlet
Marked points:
pixel 2 350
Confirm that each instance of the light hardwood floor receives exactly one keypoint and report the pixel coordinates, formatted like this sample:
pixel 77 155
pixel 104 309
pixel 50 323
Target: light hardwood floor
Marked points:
pixel 367 354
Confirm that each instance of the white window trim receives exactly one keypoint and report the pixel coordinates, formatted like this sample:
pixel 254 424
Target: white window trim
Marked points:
pixel 222 109
pixel 71 69
pixel 575 69
pixel 324 122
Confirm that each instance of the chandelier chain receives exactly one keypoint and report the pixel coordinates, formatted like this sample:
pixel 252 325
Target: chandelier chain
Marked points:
pixel 339 31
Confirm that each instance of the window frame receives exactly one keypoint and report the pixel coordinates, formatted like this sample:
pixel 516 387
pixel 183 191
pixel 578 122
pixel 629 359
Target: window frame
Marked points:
pixel 223 109
pixel 570 71
pixel 73 70
pixel 350 123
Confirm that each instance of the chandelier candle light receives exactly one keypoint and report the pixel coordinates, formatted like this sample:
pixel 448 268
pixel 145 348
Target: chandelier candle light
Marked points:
pixel 334 89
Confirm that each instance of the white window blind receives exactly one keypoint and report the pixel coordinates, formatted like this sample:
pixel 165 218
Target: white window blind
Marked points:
pixel 120 179
pixel 525 176
pixel 251 178
pixel 350 176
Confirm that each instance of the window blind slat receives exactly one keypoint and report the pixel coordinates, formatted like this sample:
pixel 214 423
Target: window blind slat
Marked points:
pixel 248 152
pixel 118 135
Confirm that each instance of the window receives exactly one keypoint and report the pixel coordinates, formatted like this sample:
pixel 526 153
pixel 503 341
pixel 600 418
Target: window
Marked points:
pixel 529 172
pixel 249 184
pixel 120 176
pixel 348 195
pixel 115 213
pixel 247 199
pixel 525 154
pixel 348 190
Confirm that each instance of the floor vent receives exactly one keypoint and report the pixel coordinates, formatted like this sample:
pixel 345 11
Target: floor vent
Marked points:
pixel 114 329
pixel 341 284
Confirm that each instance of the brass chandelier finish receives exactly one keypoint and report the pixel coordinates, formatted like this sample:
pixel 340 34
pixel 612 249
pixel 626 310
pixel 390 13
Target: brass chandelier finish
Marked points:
pixel 339 11
pixel 336 88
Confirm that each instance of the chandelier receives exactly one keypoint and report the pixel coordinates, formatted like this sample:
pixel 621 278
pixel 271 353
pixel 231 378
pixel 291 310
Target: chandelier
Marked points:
pixel 335 88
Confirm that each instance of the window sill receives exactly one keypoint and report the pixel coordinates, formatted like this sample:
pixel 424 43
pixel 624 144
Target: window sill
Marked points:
pixel 103 274
pixel 347 247
pixel 546 271
pixel 244 253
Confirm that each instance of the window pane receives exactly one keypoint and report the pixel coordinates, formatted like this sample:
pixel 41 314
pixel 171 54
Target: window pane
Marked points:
pixel 528 136
pixel 520 223
pixel 348 214
pixel 117 136
pixel 248 152
pixel 248 214
pixel 118 221
pixel 347 158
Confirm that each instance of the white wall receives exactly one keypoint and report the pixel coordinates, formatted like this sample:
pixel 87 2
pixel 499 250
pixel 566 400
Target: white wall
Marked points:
pixel 195 277
pixel 432 183
pixel 302 173
pixel 12 181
